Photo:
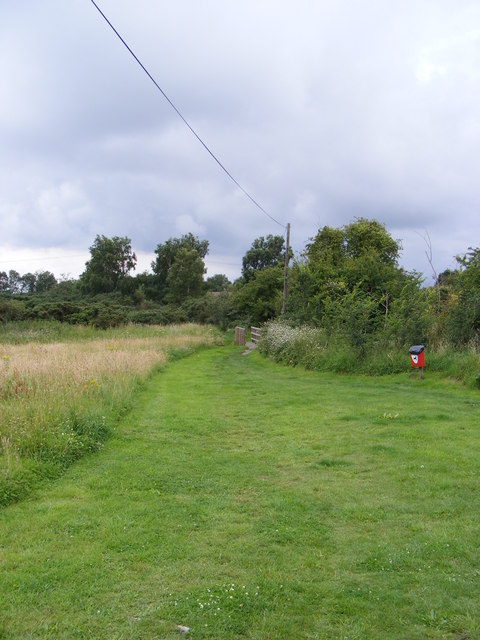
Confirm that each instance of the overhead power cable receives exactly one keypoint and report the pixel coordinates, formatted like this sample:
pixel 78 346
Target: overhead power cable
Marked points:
pixel 177 111
pixel 82 255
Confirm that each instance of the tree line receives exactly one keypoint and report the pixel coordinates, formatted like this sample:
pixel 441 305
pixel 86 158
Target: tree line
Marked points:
pixel 347 280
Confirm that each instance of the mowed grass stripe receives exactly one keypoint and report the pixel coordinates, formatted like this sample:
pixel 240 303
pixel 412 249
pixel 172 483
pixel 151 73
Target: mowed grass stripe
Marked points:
pixel 246 500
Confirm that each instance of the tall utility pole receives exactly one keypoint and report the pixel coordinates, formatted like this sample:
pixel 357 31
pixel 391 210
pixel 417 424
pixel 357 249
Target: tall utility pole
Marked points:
pixel 285 273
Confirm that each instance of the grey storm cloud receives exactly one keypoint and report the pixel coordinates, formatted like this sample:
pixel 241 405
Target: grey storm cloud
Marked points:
pixel 323 111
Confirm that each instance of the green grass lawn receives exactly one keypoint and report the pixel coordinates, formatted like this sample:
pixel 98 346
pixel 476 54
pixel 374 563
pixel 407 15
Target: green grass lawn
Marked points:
pixel 243 499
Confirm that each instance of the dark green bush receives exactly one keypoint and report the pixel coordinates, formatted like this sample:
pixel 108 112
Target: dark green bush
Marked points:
pixel 165 314
pixel 11 310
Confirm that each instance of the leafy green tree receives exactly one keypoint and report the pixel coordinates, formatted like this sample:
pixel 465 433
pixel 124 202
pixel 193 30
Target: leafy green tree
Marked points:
pixel 264 253
pixel 222 311
pixel 11 310
pixel 45 280
pixel 365 237
pixel 166 256
pixel 353 316
pixel 148 283
pixel 463 323
pixel 27 283
pixel 410 317
pixel 111 261
pixel 327 248
pixel 185 276
pixel 257 294
pixel 362 254
pixel 167 252
pixel 259 299
pixel 4 283
pixel 300 287
pixel 348 279
pixel 218 282
pixel 14 281
pixel 65 289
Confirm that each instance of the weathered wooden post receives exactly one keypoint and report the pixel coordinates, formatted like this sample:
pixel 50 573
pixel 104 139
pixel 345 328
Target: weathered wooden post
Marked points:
pixel 240 336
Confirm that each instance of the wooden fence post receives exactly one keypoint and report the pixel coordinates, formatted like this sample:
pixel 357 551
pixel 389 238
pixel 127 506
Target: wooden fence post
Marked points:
pixel 240 336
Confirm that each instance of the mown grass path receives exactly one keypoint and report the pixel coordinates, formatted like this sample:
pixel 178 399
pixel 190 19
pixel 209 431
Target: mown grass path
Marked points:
pixel 242 499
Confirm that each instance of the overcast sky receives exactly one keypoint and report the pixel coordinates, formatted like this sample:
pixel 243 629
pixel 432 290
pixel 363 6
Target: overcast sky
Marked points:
pixel 324 111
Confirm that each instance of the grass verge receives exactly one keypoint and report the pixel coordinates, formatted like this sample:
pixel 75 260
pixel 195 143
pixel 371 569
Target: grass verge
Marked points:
pixel 59 400
pixel 243 499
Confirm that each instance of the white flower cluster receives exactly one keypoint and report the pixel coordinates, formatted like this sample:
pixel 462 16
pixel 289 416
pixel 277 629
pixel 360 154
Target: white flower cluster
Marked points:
pixel 279 338
pixel 220 604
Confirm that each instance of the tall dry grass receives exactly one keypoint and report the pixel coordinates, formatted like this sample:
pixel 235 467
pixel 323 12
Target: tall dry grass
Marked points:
pixel 59 400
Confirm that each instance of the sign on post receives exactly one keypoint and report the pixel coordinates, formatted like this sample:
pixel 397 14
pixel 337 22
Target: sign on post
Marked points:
pixel 417 357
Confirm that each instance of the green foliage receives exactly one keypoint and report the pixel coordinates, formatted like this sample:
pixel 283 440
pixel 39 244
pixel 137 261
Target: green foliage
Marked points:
pixel 222 313
pixel 63 311
pixel 264 253
pixel 185 276
pixel 259 299
pixel 111 261
pixel 309 347
pixel 349 283
pixel 353 315
pixel 218 282
pixel 107 296
pixel 45 280
pixel 368 237
pixel 257 295
pixel 66 289
pixel 170 255
pixel 14 282
pixel 12 310
pixel 463 323
pixel 166 314
pixel 105 316
pixel 150 285
pixel 327 248
pixel 409 317
pixel 37 282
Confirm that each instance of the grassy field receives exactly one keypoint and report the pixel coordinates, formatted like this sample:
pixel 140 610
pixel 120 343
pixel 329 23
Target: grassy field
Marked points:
pixel 59 399
pixel 242 499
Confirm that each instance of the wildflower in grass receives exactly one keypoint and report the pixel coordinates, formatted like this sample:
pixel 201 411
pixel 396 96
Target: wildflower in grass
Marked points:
pixel 292 345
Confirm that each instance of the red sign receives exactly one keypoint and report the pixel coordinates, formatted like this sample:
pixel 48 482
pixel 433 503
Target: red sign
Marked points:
pixel 418 360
